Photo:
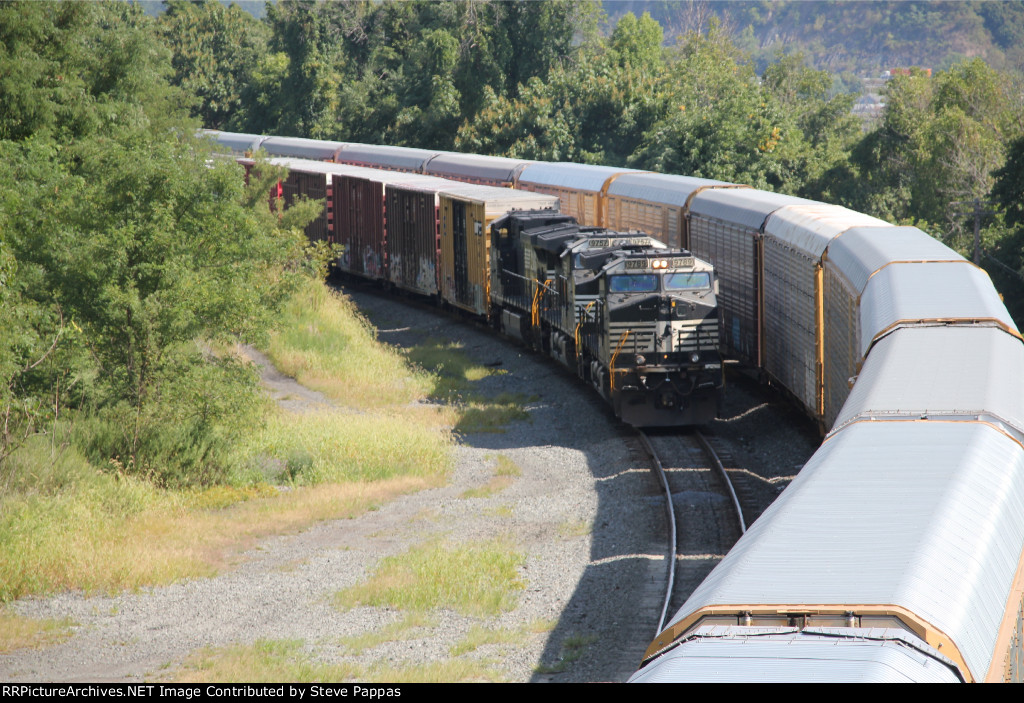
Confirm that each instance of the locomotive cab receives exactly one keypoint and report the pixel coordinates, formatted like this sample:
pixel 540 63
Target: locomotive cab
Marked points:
pixel 660 345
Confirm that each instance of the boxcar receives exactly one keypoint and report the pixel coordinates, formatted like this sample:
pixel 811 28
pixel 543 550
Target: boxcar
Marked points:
pixel 466 213
pixel 582 189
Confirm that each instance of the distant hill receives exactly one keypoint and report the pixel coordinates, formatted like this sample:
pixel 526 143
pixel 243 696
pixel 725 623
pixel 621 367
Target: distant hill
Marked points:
pixel 861 37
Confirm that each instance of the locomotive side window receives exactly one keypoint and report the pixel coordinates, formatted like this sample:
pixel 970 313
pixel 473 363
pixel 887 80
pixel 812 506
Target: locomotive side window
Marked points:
pixel 691 280
pixel 633 283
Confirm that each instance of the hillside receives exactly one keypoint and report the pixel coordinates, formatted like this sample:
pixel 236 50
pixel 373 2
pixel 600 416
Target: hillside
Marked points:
pixel 857 37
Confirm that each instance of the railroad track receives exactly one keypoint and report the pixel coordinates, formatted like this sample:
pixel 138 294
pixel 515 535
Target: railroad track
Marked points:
pixel 706 499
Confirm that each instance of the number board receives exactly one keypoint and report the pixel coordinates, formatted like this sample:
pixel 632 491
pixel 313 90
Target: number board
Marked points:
pixel 684 262
pixel 636 264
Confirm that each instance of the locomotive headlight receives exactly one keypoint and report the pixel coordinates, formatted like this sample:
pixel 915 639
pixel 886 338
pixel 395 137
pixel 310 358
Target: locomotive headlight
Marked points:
pixel 694 357
pixel 640 360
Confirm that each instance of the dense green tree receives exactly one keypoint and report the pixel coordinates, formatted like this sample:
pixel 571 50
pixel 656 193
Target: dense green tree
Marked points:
pixel 828 128
pixel 723 122
pixel 637 42
pixel 405 73
pixel 296 87
pixel 123 249
pixel 939 141
pixel 215 51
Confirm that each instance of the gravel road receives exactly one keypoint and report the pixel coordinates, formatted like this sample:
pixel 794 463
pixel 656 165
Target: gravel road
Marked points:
pixel 584 510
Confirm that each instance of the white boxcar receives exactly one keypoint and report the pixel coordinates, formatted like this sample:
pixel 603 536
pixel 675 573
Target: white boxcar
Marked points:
pixel 393 158
pixel 941 373
pixel 472 168
pixel 795 237
pixel 234 143
pixel 850 261
pixel 725 229
pixel 298 148
pixel 581 188
pixel 909 525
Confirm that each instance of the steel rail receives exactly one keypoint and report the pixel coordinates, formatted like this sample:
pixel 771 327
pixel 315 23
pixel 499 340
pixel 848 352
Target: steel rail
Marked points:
pixel 671 515
pixel 725 477
pixel 670 511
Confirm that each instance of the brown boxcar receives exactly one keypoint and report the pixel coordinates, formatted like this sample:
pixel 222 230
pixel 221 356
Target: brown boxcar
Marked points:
pixel 314 187
pixel 359 202
pixel 414 241
pixel 362 218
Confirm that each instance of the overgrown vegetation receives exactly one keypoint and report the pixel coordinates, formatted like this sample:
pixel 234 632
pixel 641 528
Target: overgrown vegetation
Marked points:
pixel 135 447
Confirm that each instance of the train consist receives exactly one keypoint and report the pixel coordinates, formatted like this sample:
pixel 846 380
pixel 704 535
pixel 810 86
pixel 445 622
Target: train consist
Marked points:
pixel 636 320
pixel 896 554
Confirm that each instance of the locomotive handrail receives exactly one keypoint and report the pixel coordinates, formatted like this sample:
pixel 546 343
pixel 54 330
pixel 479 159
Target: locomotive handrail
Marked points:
pixel 586 311
pixel 611 364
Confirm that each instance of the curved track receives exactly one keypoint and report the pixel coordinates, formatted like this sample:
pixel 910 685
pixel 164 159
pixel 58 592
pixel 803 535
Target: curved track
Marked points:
pixel 704 514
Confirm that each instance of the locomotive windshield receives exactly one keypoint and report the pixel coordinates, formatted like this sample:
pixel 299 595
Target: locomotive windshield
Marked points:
pixel 690 280
pixel 633 283
pixel 648 282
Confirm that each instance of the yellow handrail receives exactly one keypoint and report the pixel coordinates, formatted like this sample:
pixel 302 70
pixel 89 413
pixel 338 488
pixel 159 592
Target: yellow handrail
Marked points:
pixel 576 332
pixel 611 364
pixel 535 308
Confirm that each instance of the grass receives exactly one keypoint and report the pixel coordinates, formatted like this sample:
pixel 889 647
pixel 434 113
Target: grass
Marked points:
pixel 17 632
pixel 505 471
pixel 577 528
pixel 273 661
pixel 481 636
pixel 472 579
pixel 323 446
pixel 493 414
pixel 409 627
pixel 507 467
pixel 106 533
pixel 327 345
pixel 265 661
pixel 443 671
pixel 456 376
pixel 66 524
pixel 573 648
pixel 500 511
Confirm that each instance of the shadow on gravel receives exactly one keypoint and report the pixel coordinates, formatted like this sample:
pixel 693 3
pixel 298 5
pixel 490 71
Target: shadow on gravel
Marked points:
pixel 606 625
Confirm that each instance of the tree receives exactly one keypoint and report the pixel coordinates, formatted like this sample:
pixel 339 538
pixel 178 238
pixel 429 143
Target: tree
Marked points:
pixel 939 141
pixel 722 123
pixel 216 49
pixel 124 249
pixel 637 42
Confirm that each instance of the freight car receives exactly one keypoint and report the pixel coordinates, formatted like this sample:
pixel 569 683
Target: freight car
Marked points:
pixel 647 336
pixel 896 554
